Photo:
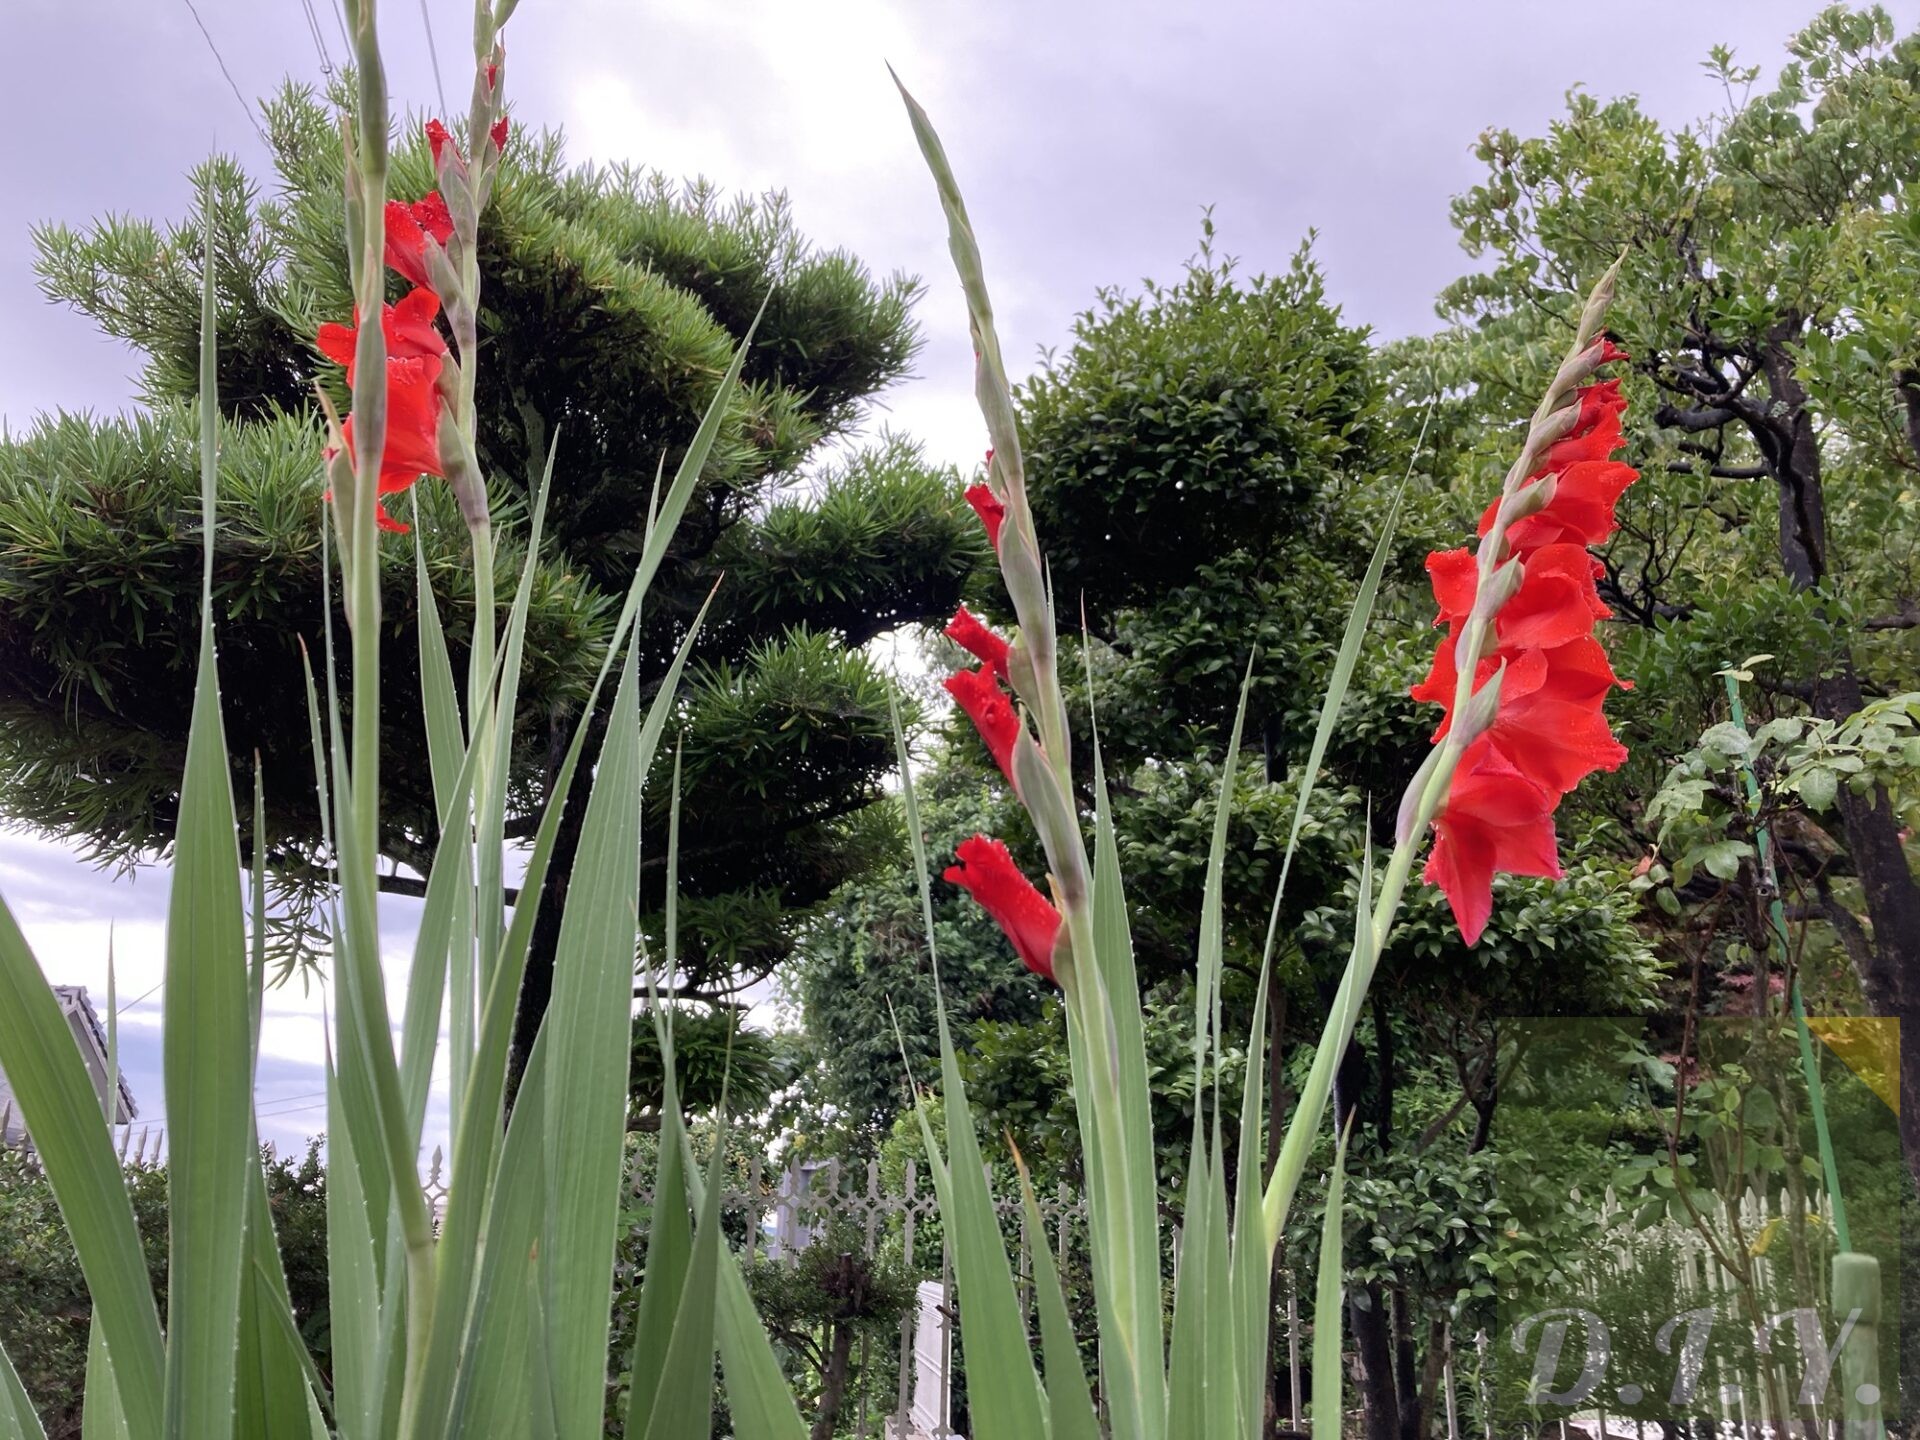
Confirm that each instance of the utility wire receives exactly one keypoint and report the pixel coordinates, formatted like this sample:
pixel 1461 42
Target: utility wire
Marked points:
pixel 136 1000
pixel 433 54
pixel 340 19
pixel 252 119
pixel 319 39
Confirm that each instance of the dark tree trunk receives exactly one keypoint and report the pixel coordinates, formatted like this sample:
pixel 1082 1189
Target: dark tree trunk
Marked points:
pixel 1892 980
pixel 1434 1370
pixel 1367 1310
pixel 833 1380
pixel 1405 1369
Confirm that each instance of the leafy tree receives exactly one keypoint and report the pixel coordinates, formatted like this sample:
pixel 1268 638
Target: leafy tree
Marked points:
pixel 613 300
pixel 46 1312
pixel 1774 420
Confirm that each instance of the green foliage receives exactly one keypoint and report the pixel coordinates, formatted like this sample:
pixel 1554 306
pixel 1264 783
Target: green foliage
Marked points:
pixel 45 1309
pixel 713 1055
pixel 821 1304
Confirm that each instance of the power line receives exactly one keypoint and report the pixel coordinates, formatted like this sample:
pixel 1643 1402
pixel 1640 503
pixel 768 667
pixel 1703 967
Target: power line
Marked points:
pixel 319 40
pixel 346 45
pixel 251 119
pixel 137 999
pixel 433 54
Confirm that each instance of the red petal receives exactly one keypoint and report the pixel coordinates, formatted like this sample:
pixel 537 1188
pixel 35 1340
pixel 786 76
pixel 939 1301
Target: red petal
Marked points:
pixel 430 213
pixel 336 342
pixel 1455 575
pixel 986 704
pixel 966 631
pixel 991 512
pixel 1556 601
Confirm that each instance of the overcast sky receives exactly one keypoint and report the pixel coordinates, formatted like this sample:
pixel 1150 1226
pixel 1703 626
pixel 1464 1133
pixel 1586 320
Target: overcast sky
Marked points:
pixel 1088 138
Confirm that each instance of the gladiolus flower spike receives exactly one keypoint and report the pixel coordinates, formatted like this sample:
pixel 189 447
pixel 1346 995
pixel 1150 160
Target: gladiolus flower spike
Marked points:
pixel 987 872
pixel 1548 732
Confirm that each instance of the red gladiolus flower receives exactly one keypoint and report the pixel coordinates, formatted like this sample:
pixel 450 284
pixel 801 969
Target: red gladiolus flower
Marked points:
pixel 1556 602
pixel 1549 732
pixel 498 134
pixel 1495 820
pixel 1597 443
pixel 1580 512
pixel 412 447
pixel 991 512
pixel 1549 726
pixel 411 333
pixel 987 872
pixel 1576 673
pixel 966 631
pixel 409 227
pixel 986 704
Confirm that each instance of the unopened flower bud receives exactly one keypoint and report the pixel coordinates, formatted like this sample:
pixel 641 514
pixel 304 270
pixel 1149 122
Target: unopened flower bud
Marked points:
pixel 449 165
pixel 462 473
pixel 1481 710
pixel 1528 500
pixel 1411 801
pixel 1501 586
pixel 1020 673
pixel 442 278
pixel 1556 426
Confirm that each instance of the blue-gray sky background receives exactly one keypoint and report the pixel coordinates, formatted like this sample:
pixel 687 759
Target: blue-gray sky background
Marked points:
pixel 1088 137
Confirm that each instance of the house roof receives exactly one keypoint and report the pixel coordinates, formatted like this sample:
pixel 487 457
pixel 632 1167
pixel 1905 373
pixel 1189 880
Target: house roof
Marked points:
pixel 92 1035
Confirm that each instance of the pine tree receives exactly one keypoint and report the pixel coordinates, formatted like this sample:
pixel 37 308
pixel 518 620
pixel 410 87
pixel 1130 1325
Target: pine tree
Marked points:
pixel 613 301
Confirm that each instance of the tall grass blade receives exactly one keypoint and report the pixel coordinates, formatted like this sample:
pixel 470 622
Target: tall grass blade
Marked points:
pixel 491 815
pixel 1327 1305
pixel 494 1394
pixel 1252 1283
pixel 683 1403
pixel 1070 1413
pixel 207 1036
pixel 18 1419
pixel 1124 1203
pixel 1334 1035
pixel 101 1417
pixel 440 709
pixel 63 1116
pixel 589 1022
pixel 669 1253
pixel 1344 661
pixel 353 1285
pixel 475 1141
